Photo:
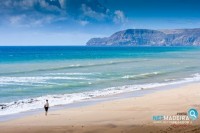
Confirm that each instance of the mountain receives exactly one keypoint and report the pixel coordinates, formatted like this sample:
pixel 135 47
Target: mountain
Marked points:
pixel 147 37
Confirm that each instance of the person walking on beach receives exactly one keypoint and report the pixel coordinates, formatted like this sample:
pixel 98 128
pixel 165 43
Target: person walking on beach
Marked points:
pixel 46 107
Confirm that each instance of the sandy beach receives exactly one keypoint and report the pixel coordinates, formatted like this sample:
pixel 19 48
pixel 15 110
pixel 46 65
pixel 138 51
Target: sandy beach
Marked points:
pixel 100 66
pixel 126 115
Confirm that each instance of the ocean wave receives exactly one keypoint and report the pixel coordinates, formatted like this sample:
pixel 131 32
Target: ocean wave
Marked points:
pixel 35 103
pixel 72 66
pixel 73 74
pixel 37 79
pixel 143 75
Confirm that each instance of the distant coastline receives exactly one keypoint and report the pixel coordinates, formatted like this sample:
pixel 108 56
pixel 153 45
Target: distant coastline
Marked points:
pixel 148 37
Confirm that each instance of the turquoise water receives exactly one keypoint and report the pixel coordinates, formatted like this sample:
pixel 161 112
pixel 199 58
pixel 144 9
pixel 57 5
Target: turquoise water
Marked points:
pixel 29 75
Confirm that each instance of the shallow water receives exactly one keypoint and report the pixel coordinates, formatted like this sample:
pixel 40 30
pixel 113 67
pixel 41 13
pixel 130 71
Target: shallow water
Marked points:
pixel 29 75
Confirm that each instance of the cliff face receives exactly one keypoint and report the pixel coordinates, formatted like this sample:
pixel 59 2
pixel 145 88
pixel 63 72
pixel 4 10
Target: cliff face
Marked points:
pixel 146 37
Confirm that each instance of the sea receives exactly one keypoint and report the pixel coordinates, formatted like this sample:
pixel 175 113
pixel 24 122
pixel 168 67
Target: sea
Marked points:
pixel 68 74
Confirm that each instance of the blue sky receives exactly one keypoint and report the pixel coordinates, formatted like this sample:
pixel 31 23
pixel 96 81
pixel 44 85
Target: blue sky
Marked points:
pixel 73 22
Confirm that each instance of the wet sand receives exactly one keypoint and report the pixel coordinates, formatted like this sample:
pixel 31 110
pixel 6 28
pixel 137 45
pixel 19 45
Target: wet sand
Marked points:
pixel 126 115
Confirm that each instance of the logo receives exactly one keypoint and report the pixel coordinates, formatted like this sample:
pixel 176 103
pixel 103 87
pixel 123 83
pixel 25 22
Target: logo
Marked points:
pixel 193 114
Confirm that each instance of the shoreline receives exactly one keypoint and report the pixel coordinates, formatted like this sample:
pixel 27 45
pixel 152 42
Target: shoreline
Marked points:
pixel 116 115
pixel 93 101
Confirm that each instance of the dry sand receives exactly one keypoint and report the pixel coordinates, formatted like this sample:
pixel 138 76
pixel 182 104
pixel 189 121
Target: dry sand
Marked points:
pixel 131 115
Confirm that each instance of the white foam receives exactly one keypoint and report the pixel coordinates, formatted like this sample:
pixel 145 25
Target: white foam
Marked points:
pixel 141 75
pixel 35 103
pixel 37 79
pixel 79 74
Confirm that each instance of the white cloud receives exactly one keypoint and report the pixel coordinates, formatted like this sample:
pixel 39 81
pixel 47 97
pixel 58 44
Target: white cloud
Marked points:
pixel 23 13
pixel 88 12
pixel 27 21
pixel 62 4
pixel 23 4
pixel 26 4
pixel 119 17
pixel 15 20
pixel 83 22
pixel 32 13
